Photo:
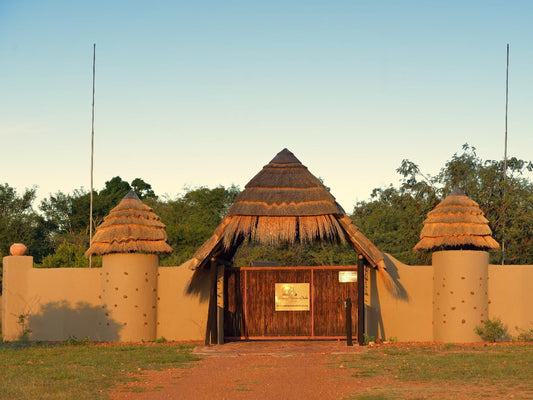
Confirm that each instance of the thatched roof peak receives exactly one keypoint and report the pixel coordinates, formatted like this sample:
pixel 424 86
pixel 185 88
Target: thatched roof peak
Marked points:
pixel 285 157
pixel 131 195
pixel 284 202
pixel 130 227
pixel 284 188
pixel 456 223
pixel 457 192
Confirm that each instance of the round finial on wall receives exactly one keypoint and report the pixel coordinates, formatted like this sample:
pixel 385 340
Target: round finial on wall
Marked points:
pixel 17 249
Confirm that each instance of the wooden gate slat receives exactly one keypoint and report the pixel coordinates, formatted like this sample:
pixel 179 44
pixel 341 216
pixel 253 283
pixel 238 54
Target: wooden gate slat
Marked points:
pixel 250 310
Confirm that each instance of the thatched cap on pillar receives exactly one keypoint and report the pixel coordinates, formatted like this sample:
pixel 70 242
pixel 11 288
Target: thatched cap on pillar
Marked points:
pixel 457 223
pixel 130 227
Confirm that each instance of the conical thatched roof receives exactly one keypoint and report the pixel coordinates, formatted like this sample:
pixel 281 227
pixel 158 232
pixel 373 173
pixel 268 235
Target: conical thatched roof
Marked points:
pixel 284 202
pixel 130 227
pixel 456 223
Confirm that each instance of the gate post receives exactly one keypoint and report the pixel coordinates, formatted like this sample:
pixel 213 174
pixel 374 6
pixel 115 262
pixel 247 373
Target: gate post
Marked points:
pixel 361 300
pixel 220 304
pixel 348 306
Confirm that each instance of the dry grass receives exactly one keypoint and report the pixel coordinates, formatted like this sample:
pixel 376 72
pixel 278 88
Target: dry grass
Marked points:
pixel 443 371
pixel 79 370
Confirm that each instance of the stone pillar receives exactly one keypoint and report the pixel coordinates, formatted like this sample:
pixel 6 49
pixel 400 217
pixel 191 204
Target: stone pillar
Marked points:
pixel 460 298
pixel 129 297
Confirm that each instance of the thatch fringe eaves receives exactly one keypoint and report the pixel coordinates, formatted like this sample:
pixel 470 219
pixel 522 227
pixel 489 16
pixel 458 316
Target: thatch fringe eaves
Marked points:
pixel 457 222
pixel 130 227
pixel 261 209
pixel 284 202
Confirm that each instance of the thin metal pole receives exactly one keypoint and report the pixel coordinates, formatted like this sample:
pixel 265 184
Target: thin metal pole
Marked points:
pixel 505 151
pixel 92 159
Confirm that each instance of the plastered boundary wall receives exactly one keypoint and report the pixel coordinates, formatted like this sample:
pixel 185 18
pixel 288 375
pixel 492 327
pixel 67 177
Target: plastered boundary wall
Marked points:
pixel 61 303
pixel 65 302
pixel 408 315
pixel 511 296
pixel 57 303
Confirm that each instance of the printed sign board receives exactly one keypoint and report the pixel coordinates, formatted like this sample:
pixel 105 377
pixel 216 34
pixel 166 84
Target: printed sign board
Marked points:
pixel 347 276
pixel 292 297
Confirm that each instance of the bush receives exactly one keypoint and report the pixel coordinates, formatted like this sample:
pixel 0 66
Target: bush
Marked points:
pixel 69 255
pixel 367 339
pixel 491 330
pixel 525 335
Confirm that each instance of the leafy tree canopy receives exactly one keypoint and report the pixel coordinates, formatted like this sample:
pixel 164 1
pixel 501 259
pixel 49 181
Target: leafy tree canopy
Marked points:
pixel 192 218
pixel 20 223
pixel 393 218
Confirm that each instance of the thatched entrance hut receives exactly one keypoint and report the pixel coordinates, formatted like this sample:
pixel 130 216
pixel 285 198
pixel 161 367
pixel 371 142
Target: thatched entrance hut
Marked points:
pixel 284 202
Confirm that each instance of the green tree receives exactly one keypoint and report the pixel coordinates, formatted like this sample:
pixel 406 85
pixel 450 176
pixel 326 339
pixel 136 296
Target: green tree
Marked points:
pixel 66 216
pixel 20 223
pixel 393 218
pixel 143 189
pixel 192 218
pixel 303 254
pixel 69 255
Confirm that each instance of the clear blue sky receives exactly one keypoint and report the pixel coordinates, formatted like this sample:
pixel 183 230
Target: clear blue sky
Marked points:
pixel 201 93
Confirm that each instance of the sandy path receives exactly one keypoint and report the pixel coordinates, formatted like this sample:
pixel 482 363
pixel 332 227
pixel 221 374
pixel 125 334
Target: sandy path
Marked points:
pixel 290 370
pixel 282 370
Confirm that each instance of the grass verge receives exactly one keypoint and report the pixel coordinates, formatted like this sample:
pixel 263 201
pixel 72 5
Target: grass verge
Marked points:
pixel 81 371
pixel 427 371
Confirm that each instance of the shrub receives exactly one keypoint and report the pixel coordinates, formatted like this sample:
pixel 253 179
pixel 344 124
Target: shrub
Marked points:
pixel 367 339
pixel 525 335
pixel 25 332
pixel 491 330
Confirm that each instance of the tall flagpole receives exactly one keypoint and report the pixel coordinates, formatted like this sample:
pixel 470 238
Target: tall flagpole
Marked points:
pixel 92 159
pixel 505 151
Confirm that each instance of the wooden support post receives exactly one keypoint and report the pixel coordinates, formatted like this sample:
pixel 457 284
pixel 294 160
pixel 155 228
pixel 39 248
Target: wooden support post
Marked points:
pixel 211 328
pixel 361 300
pixel 220 304
pixel 348 306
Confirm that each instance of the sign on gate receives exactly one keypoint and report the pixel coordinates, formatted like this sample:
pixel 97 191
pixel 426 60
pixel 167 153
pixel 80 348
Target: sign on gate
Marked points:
pixel 292 297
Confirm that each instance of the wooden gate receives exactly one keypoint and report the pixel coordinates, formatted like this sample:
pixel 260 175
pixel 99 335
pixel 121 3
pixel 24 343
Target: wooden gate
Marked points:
pixel 252 311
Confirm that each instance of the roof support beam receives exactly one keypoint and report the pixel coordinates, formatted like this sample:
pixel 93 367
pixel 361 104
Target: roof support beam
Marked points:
pixel 361 300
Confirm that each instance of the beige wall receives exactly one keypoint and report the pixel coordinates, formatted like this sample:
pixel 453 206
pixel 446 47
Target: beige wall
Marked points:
pixel 60 303
pixel 69 302
pixel 182 304
pixel 66 302
pixel 405 314
pixel 511 296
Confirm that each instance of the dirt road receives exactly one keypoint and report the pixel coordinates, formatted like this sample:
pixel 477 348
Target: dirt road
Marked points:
pixel 252 370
